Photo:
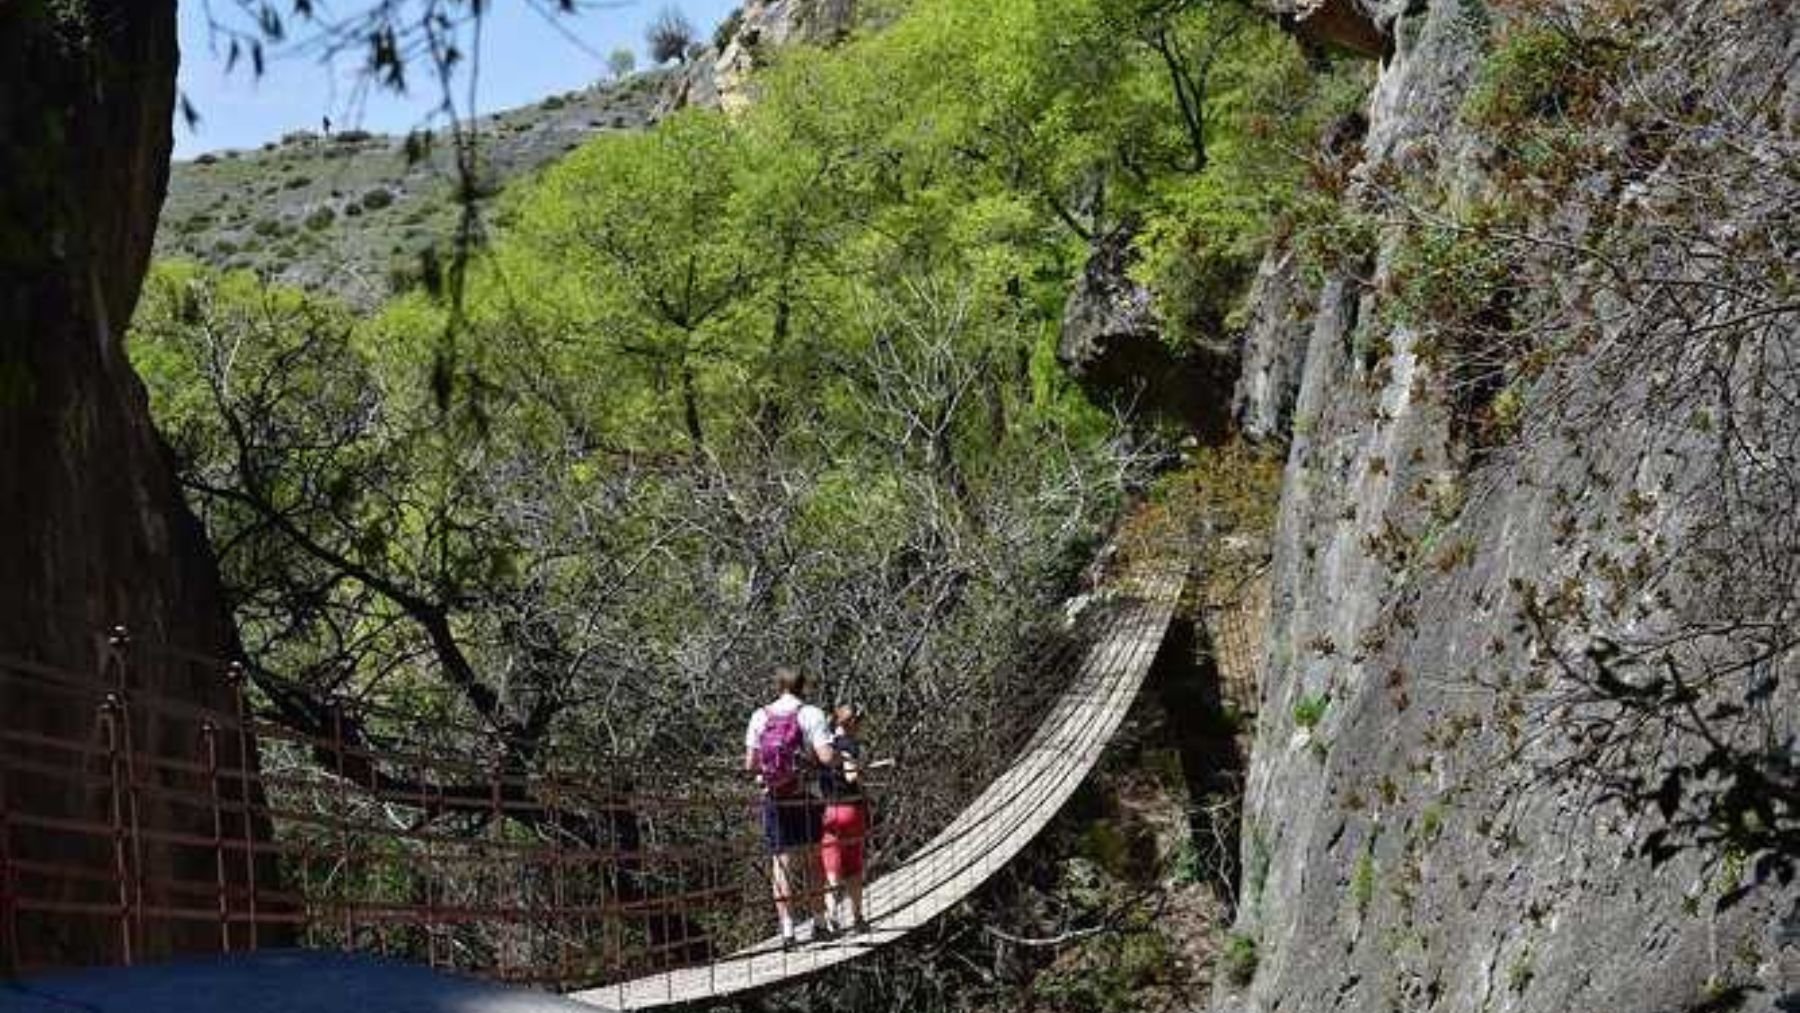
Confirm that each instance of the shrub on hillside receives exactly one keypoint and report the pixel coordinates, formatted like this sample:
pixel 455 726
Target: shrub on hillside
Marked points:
pixel 669 36
pixel 621 62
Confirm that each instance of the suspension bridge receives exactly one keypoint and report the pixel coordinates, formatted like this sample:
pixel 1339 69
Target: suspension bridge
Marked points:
pixel 622 889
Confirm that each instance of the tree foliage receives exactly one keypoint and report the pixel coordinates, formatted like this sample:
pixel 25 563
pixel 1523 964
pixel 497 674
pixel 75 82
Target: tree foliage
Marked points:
pixel 621 63
pixel 735 391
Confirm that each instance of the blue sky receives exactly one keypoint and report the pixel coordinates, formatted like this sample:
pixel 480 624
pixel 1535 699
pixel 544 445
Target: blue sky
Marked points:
pixel 523 59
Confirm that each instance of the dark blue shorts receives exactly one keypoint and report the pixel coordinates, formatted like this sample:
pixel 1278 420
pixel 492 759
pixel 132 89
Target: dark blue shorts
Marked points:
pixel 792 821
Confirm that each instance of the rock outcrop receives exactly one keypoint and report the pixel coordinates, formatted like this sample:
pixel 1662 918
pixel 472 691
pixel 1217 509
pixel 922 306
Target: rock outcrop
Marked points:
pixel 1274 345
pixel 1482 582
pixel 1346 25
pixel 1112 345
pixel 720 77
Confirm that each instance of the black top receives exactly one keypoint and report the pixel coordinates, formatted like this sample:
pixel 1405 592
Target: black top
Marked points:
pixel 832 780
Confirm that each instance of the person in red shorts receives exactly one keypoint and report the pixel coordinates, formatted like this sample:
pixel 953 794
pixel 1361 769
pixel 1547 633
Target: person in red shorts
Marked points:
pixel 846 822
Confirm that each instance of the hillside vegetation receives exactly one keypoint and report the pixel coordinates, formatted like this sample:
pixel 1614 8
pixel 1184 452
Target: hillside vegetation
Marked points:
pixel 352 212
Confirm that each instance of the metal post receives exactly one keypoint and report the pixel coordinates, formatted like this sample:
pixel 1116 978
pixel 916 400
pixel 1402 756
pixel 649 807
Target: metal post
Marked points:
pixel 431 950
pixel 343 816
pixel 753 819
pixel 9 915
pixel 671 916
pixel 612 942
pixel 593 894
pixel 383 926
pixel 119 642
pixel 121 875
pixel 234 676
pixel 306 905
pixel 559 899
pixel 495 814
pixel 209 737
pixel 709 881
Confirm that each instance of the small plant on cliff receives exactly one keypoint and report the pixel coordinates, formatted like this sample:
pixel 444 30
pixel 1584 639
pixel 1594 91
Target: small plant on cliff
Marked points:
pixel 1541 71
pixel 1331 234
pixel 1431 822
pixel 1257 874
pixel 1238 959
pixel 1309 710
pixel 1362 880
pixel 1459 281
pixel 1520 972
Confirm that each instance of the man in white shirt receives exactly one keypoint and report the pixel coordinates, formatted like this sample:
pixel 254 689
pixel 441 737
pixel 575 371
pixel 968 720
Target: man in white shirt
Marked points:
pixel 785 741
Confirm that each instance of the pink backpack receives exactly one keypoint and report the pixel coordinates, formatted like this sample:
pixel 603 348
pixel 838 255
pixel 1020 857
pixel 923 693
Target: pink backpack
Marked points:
pixel 778 752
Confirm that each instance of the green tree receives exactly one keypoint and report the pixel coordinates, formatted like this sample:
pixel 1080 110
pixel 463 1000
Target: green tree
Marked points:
pixel 620 63
pixel 640 228
pixel 670 36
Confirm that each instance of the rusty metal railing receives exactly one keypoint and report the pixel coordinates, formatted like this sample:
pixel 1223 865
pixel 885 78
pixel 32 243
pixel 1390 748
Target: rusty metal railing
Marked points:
pixel 159 826
pixel 139 823
pixel 148 821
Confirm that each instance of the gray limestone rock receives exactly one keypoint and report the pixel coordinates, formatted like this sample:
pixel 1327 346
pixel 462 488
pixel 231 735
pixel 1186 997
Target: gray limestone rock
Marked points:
pixel 1112 344
pixel 1426 827
pixel 1262 403
pixel 720 77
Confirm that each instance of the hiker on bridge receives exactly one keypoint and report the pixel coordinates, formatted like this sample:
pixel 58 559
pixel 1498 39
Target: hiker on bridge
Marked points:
pixel 785 745
pixel 846 823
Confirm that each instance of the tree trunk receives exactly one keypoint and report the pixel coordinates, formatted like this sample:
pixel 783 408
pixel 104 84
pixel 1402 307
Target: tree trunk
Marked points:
pixel 690 406
pixel 95 533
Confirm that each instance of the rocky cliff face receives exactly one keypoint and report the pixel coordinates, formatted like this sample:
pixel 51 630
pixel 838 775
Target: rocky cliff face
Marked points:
pixel 1528 710
pixel 1112 344
pixel 719 78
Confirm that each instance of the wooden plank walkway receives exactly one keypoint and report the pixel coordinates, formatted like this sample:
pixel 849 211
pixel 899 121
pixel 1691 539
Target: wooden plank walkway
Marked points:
pixel 984 837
